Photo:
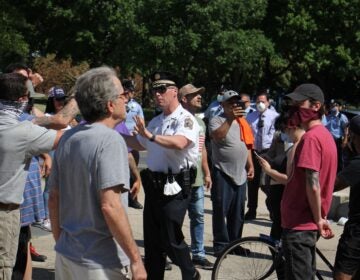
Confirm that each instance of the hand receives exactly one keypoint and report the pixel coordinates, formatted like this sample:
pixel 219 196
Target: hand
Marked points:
pixel 324 229
pixel 207 183
pixel 46 166
pixel 264 164
pixel 140 127
pixel 36 79
pixel 138 270
pixel 135 188
pixel 238 112
pixel 250 173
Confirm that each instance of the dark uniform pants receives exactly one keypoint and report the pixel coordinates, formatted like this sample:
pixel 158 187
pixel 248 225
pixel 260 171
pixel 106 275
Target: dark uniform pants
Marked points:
pixel 163 220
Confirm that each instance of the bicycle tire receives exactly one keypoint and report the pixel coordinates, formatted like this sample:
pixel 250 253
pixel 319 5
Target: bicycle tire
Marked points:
pixel 263 261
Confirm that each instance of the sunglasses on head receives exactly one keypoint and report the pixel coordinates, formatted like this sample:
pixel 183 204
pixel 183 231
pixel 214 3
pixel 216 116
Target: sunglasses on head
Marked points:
pixel 162 88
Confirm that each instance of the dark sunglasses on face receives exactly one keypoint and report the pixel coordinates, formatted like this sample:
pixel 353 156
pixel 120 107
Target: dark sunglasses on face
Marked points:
pixel 160 88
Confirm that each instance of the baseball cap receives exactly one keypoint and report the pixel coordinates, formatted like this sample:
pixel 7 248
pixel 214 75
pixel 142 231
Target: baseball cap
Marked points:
pixel 57 93
pixel 190 89
pixel 128 85
pixel 307 91
pixel 227 95
pixel 355 125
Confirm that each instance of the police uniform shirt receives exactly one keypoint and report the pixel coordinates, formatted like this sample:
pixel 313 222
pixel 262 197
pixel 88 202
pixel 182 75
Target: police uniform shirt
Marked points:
pixel 133 109
pixel 179 122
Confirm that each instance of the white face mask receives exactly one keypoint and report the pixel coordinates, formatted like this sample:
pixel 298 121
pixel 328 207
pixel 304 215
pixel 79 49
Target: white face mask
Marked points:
pixel 219 98
pixel 260 107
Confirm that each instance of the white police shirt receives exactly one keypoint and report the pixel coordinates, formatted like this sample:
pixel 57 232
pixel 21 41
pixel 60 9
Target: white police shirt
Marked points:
pixel 179 122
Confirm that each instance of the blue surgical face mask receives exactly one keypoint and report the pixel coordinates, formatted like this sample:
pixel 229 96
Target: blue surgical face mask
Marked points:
pixel 333 110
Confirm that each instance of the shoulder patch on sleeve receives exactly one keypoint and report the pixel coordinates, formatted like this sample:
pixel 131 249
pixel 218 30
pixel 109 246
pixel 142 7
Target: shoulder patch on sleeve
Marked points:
pixel 189 123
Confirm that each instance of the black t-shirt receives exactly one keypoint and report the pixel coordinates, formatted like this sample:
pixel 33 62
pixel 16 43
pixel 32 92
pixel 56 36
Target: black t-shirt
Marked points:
pixel 351 176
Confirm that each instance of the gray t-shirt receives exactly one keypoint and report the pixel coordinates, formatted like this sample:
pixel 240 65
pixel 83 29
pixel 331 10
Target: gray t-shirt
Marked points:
pixel 229 154
pixel 19 141
pixel 90 158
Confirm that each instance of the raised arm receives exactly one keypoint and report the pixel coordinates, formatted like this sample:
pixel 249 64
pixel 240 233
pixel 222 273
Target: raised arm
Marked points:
pixel 61 119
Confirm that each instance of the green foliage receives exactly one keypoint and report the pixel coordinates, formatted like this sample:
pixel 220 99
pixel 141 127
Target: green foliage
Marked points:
pixel 13 46
pixel 245 45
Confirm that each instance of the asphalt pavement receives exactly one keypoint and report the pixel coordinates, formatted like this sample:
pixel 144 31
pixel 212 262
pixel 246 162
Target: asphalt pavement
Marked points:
pixel 44 242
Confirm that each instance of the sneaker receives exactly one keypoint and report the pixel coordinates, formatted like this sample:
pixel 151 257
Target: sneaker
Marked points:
pixel 203 263
pixel 42 226
pixel 168 265
pixel 35 256
pixel 135 204
pixel 47 224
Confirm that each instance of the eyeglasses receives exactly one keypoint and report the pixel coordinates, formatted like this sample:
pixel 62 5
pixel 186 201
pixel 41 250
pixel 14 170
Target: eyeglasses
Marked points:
pixel 160 88
pixel 122 96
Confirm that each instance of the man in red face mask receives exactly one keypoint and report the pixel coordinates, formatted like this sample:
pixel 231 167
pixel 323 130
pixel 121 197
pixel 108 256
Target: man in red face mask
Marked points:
pixel 308 192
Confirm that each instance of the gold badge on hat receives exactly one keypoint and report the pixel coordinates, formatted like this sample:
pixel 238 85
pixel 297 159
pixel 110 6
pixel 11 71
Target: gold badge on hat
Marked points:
pixel 157 76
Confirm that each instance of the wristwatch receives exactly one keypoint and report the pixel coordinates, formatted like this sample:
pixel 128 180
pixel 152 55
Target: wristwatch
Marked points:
pixel 152 138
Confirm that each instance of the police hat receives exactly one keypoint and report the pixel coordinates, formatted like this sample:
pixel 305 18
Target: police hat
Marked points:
pixel 128 85
pixel 159 78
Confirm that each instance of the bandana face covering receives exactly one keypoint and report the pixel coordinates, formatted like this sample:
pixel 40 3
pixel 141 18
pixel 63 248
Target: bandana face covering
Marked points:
pixel 13 108
pixel 299 116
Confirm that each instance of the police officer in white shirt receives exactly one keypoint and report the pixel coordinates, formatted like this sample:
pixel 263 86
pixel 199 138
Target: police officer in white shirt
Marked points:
pixel 171 140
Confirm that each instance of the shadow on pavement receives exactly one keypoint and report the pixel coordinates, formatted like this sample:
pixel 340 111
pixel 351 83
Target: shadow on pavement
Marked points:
pixel 43 273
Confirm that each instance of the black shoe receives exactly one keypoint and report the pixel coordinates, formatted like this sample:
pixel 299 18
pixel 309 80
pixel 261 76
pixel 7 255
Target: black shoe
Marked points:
pixel 241 251
pixel 197 275
pixel 250 215
pixel 168 266
pixel 135 204
pixel 203 263
pixel 35 256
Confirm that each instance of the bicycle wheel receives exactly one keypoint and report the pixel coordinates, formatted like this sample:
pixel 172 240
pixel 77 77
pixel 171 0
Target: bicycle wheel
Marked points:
pixel 249 258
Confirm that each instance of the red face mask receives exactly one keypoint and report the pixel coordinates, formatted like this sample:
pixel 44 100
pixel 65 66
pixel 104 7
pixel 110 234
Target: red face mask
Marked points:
pixel 298 116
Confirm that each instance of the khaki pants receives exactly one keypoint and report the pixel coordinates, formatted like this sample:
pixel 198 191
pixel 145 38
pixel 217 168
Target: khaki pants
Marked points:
pixel 66 269
pixel 9 239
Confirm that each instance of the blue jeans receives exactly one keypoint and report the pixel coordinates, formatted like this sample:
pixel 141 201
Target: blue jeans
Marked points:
pixel 228 202
pixel 196 215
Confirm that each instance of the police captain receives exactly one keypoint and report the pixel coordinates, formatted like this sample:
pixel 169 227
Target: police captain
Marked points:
pixel 171 140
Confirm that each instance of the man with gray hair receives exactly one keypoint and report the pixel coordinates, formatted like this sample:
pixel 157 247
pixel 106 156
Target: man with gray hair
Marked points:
pixel 88 219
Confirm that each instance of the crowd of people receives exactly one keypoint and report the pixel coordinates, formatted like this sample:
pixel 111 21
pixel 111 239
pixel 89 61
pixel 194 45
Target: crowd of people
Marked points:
pixel 298 157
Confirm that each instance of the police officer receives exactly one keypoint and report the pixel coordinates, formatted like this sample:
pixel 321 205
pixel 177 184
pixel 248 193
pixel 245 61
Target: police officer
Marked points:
pixel 171 139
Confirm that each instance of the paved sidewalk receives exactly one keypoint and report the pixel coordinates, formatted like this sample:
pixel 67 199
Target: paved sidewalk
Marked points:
pixel 44 243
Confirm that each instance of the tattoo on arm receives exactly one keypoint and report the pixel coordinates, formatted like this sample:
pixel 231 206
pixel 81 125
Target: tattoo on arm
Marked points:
pixel 312 178
pixel 43 121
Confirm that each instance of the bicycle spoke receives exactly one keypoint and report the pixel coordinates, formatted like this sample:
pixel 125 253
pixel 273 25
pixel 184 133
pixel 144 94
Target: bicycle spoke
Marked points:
pixel 251 258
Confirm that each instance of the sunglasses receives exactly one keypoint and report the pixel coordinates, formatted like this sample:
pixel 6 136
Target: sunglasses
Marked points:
pixel 160 88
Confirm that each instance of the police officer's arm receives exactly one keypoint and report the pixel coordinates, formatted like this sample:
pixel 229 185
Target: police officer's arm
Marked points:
pixel 132 142
pixel 178 142
pixel 118 223
pixel 61 119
